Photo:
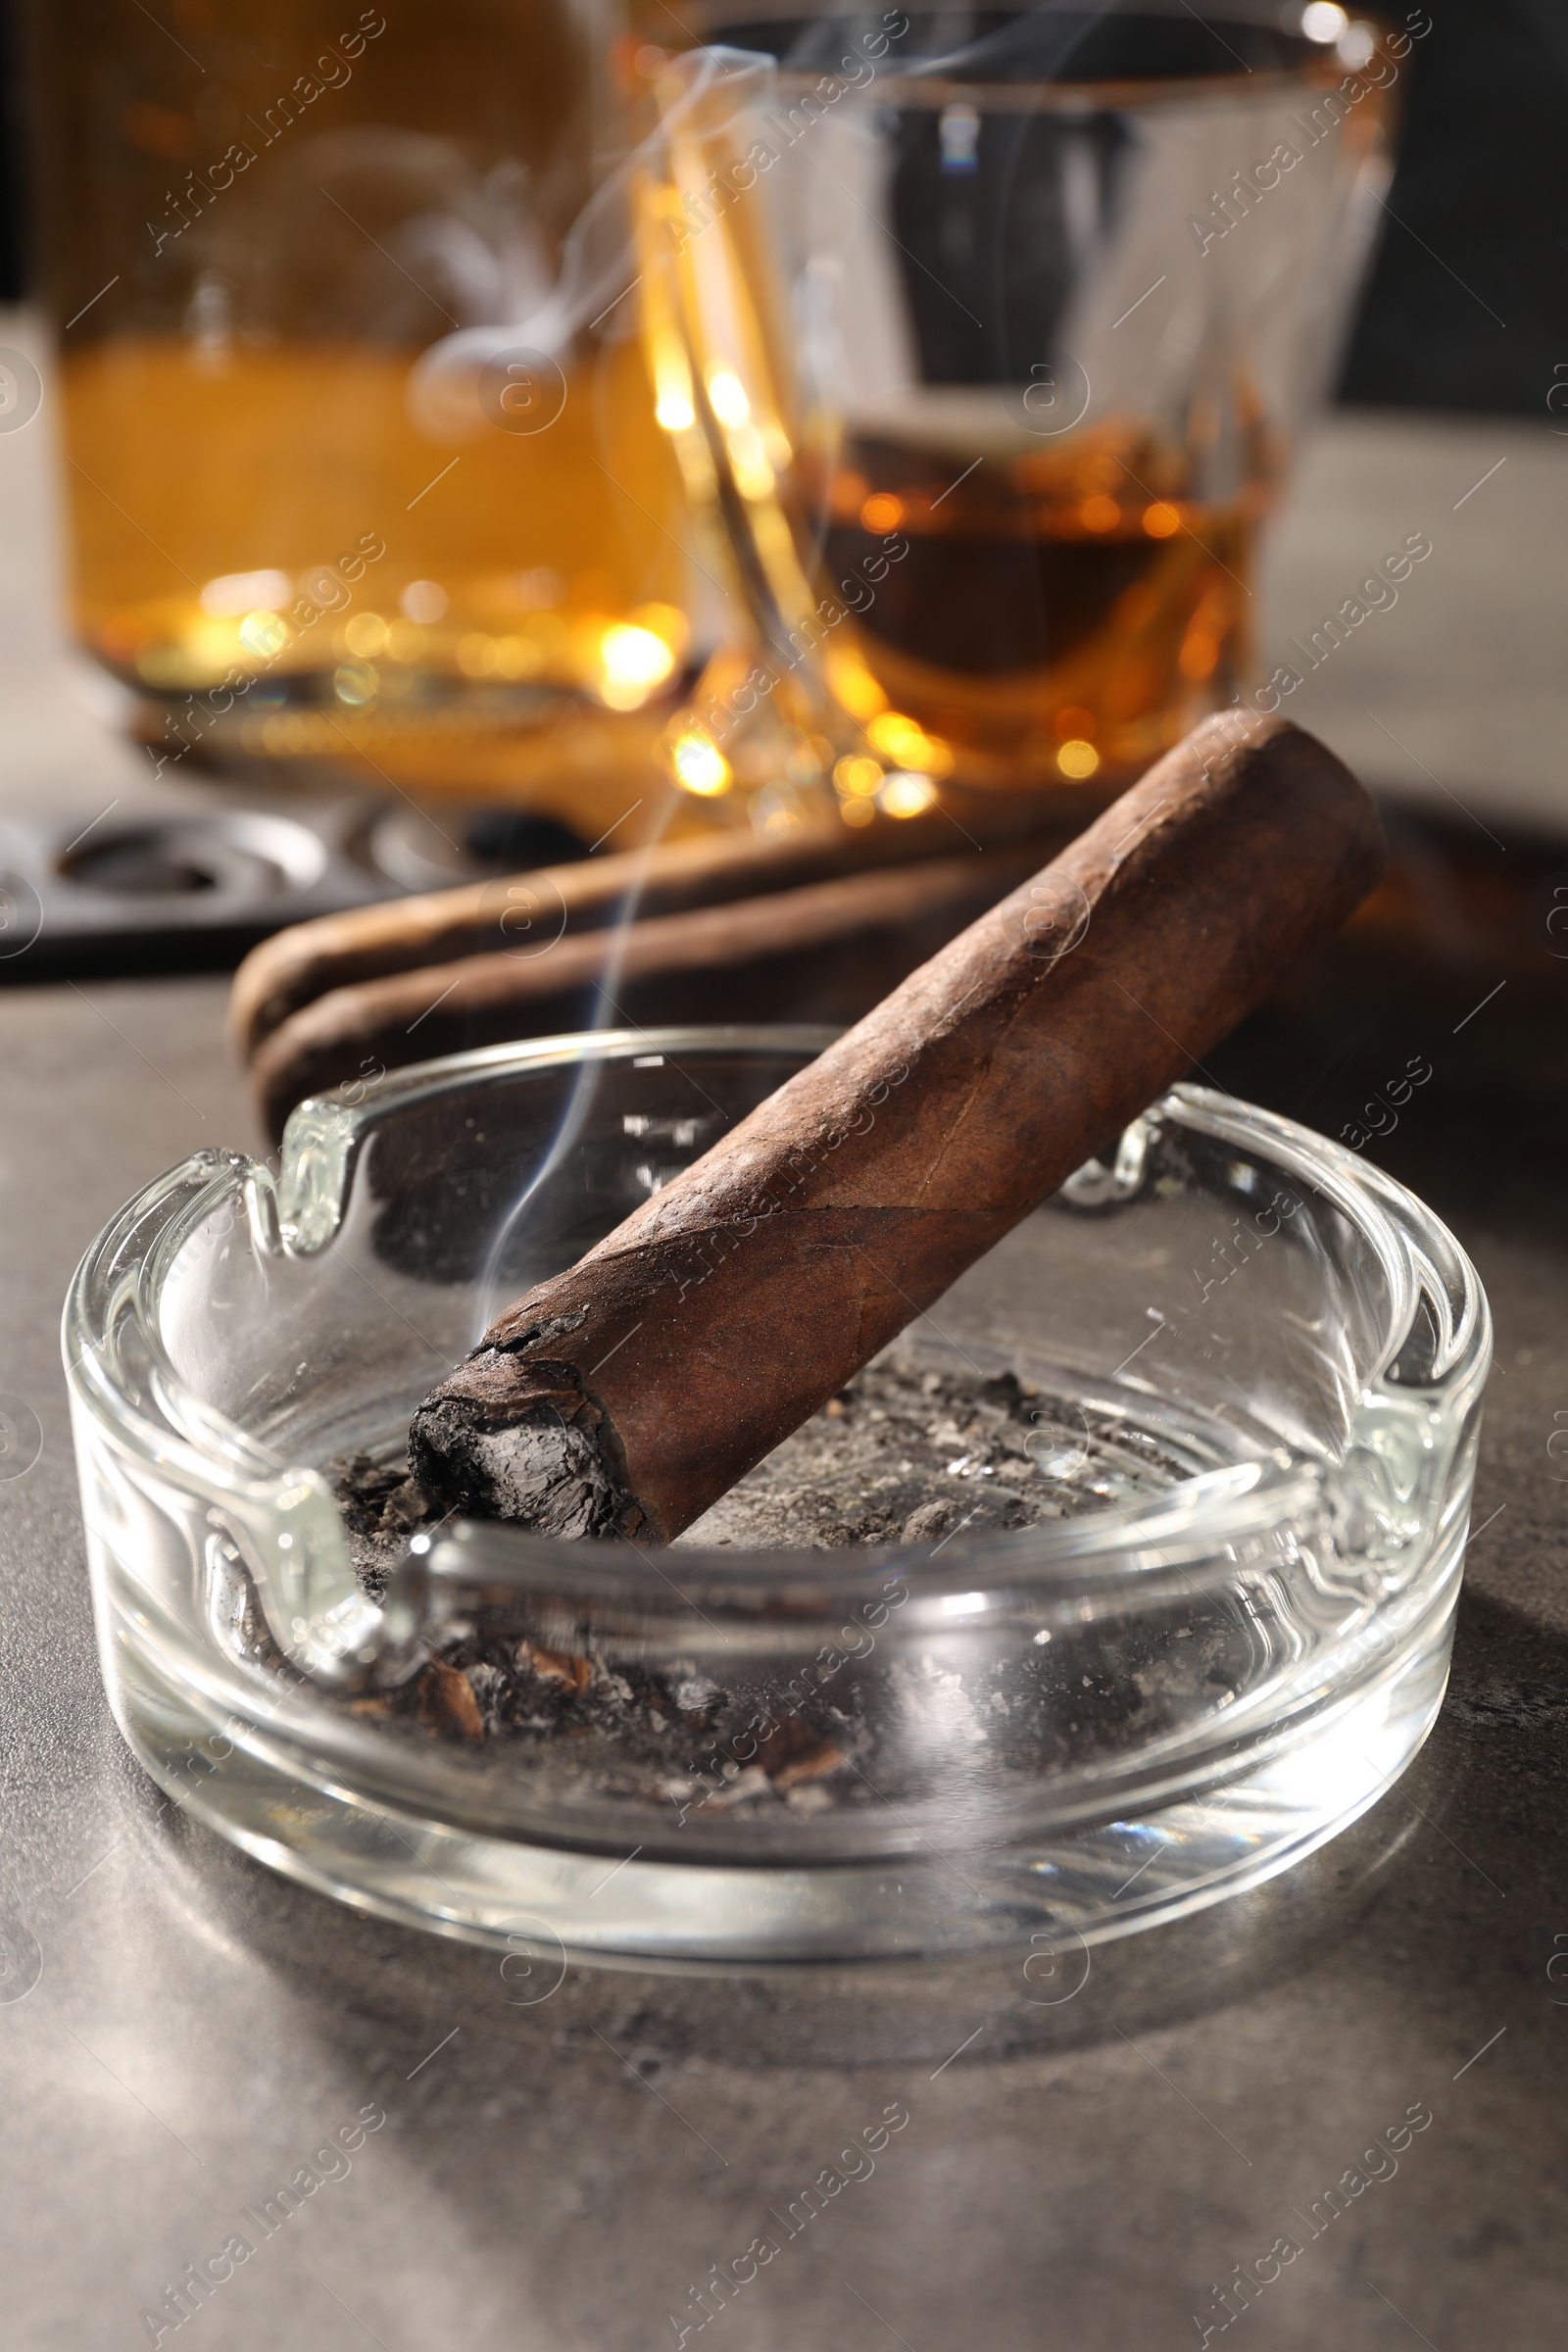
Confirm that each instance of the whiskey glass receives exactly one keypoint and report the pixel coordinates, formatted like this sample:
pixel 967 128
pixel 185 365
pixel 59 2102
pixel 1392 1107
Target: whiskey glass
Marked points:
pixel 987 336
pixel 256 220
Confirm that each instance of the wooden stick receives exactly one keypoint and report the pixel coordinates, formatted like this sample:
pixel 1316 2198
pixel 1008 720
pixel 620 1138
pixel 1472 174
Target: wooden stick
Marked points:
pixel 626 1394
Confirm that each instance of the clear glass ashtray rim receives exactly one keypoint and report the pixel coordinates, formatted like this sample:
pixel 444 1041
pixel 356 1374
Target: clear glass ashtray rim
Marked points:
pixel 299 1211
pixel 466 1839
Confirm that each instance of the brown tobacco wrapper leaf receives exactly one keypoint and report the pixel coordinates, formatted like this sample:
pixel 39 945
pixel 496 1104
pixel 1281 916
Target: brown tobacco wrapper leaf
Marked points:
pixel 519 911
pixel 523 914
pixel 821 953
pixel 815 1765
pixel 629 1392
pixel 446 1703
pixel 562 1666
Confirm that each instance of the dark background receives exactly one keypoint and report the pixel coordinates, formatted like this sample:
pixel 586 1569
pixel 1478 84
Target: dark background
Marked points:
pixel 13 271
pixel 1481 227
pixel 1464 309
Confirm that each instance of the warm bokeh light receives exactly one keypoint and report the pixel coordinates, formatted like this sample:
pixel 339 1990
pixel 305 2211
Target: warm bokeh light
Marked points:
pixel 424 600
pixel 667 621
pixel 237 593
pixel 882 512
pixel 900 739
pixel 1160 521
pixel 699 765
pixel 365 635
pixel 1324 20
pixel 858 777
pixel 906 795
pixel 264 633
pixel 852 684
pixel 633 661
pixel 1077 758
pixel 749 463
pixel 1100 513
pixel 728 397
pixel 672 383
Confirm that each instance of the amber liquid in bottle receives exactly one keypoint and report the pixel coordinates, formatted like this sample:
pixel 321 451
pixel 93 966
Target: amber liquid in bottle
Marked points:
pixel 259 468
pixel 252 232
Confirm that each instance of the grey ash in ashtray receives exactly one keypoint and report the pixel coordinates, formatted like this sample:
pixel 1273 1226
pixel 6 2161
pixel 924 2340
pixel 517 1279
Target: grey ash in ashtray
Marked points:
pixel 913 1457
pixel 901 1455
pixel 382 1505
pixel 905 1455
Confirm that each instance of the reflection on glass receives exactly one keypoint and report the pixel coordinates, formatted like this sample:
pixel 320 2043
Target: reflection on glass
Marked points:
pixel 987 337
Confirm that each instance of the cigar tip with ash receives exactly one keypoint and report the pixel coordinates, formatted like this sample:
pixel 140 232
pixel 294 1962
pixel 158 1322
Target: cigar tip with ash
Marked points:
pixel 627 1394
pixel 525 1443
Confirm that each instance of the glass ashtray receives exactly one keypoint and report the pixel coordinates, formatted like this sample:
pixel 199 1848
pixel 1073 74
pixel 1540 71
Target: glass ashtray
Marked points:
pixel 1241 1374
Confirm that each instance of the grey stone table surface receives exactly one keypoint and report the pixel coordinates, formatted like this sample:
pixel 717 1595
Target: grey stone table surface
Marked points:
pixel 180 2030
